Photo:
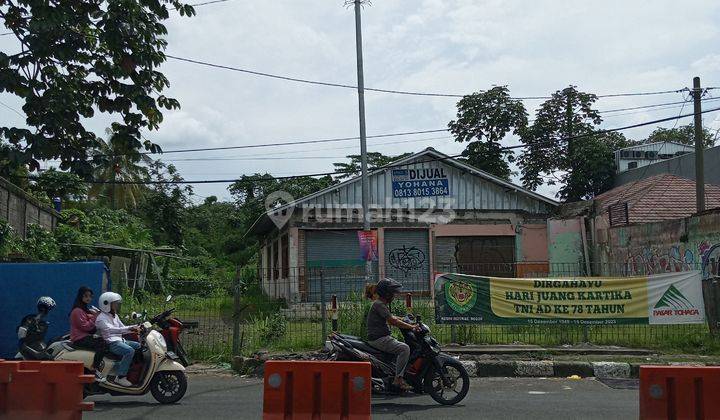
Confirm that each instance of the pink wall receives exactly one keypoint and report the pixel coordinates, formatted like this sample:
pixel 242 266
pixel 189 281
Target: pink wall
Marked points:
pixel 533 243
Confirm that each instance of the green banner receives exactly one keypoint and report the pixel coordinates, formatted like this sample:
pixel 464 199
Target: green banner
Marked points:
pixel 673 298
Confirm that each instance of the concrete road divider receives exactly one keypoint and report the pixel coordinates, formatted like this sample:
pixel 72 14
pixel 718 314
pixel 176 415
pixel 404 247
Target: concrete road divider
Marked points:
pixel 301 390
pixel 32 390
pixel 679 392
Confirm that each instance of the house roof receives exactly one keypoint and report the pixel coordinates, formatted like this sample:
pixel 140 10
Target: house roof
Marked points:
pixel 263 221
pixel 659 197
pixel 644 145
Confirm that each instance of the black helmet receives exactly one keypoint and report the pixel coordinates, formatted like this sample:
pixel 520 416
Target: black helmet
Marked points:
pixel 387 288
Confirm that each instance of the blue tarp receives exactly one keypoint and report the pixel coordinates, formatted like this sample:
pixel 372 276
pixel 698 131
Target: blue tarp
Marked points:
pixel 22 284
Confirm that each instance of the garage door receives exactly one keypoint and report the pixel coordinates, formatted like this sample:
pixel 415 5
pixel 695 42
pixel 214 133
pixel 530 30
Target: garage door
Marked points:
pixel 336 255
pixel 407 258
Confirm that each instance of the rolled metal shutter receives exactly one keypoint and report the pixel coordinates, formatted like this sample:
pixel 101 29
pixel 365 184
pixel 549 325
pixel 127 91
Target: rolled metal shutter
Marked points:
pixel 407 257
pixel 335 257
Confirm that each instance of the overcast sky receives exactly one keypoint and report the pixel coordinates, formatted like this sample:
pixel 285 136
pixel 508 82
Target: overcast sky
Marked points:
pixel 450 46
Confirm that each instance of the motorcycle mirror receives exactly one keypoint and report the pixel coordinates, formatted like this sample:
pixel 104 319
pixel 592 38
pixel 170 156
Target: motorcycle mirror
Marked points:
pixel 168 298
pixel 133 315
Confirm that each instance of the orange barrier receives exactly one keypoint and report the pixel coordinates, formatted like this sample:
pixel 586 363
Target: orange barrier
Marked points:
pixel 313 390
pixel 43 390
pixel 679 392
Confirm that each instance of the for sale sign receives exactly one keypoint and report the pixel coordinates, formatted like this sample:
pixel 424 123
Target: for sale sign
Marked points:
pixel 673 298
pixel 422 182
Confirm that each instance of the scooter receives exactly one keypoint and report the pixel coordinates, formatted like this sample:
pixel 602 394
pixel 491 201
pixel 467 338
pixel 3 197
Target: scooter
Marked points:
pixel 170 327
pixel 154 369
pixel 428 370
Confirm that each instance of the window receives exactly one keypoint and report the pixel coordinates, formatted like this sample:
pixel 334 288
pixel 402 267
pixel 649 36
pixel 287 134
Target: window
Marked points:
pixel 632 165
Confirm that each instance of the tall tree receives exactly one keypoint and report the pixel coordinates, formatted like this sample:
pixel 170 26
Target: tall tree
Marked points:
pixel 375 160
pixel 684 134
pixel 551 149
pixel 79 57
pixel 483 120
pixel 165 204
pixel 117 165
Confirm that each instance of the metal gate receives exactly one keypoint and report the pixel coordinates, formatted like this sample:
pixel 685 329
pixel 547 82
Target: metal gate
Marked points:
pixel 334 257
pixel 486 255
pixel 407 257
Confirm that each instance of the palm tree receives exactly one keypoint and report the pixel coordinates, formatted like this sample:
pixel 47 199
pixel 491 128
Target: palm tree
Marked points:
pixel 119 163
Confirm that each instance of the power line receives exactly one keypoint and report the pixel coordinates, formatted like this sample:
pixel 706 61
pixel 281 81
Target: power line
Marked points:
pixel 12 109
pixel 289 143
pixel 228 181
pixel 610 130
pixel 393 91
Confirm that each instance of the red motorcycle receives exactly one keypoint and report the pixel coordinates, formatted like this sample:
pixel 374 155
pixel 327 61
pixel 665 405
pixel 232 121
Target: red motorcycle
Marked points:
pixel 170 328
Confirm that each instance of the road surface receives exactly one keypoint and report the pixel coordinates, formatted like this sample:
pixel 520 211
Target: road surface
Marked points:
pixel 228 397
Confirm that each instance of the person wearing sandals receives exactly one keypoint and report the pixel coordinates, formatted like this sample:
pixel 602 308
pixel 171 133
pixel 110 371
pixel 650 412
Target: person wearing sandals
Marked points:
pixel 378 320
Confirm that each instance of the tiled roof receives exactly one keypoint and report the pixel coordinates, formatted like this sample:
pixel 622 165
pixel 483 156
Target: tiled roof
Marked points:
pixel 660 197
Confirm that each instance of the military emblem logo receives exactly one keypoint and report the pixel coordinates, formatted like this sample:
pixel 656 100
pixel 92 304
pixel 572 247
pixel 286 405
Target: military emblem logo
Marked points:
pixel 461 296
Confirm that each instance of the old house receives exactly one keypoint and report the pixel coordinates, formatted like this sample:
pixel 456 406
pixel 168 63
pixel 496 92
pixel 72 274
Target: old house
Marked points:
pixel 429 213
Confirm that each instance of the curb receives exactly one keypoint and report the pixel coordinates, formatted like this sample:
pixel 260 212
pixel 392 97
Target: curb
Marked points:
pixel 559 369
pixel 513 369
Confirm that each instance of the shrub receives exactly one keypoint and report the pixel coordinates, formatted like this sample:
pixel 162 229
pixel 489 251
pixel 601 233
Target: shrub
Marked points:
pixel 270 329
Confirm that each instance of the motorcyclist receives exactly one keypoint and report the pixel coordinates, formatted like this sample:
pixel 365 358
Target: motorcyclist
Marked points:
pixel 32 329
pixel 378 329
pixel 82 328
pixel 111 328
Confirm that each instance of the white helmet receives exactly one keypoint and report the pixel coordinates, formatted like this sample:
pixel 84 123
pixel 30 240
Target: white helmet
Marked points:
pixel 108 298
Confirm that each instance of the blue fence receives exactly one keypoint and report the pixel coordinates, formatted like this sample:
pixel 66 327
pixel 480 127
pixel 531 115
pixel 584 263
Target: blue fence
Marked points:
pixel 22 284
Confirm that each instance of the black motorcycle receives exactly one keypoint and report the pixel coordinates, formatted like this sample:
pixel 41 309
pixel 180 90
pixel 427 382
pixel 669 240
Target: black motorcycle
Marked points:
pixel 428 369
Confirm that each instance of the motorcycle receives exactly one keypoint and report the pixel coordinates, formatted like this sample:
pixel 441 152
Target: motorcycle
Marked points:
pixel 429 370
pixel 170 328
pixel 154 369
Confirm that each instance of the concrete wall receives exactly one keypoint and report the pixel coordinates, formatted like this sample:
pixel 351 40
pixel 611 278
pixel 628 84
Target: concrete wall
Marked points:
pixel 661 247
pixel 20 210
pixel 682 166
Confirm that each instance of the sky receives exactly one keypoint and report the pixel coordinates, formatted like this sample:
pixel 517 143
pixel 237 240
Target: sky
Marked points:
pixel 446 46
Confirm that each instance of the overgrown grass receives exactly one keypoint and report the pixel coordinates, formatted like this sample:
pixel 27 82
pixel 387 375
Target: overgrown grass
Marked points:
pixel 263 327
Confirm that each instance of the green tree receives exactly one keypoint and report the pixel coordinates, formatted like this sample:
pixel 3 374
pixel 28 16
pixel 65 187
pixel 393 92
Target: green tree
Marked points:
pixel 354 167
pixel 684 135
pixel 483 120
pixel 164 206
pixel 118 166
pixel 548 151
pixel 77 58
pixel 596 174
pixel 54 183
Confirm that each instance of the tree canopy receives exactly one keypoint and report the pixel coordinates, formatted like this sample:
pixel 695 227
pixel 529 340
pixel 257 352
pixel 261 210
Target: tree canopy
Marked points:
pixel 483 120
pixel 77 58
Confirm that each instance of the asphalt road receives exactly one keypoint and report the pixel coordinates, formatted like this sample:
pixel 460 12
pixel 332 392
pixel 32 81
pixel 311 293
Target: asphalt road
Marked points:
pixel 225 397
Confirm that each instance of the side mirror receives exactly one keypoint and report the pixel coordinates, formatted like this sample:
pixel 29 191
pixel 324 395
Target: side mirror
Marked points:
pixel 168 298
pixel 133 315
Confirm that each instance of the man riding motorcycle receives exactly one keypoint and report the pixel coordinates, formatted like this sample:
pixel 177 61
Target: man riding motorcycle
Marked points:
pixel 378 320
pixel 32 329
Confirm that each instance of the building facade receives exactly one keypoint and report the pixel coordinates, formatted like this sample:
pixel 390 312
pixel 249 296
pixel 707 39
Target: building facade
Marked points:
pixel 634 157
pixel 429 214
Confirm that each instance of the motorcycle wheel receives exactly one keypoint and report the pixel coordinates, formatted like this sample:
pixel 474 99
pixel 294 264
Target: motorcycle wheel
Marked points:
pixel 455 391
pixel 168 387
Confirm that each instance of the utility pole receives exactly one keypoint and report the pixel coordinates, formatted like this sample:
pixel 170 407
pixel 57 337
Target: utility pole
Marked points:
pixel 699 146
pixel 363 134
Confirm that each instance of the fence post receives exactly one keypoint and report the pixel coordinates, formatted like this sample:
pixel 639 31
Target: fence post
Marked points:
pixel 236 345
pixel 323 306
pixel 334 308
pixel 711 296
